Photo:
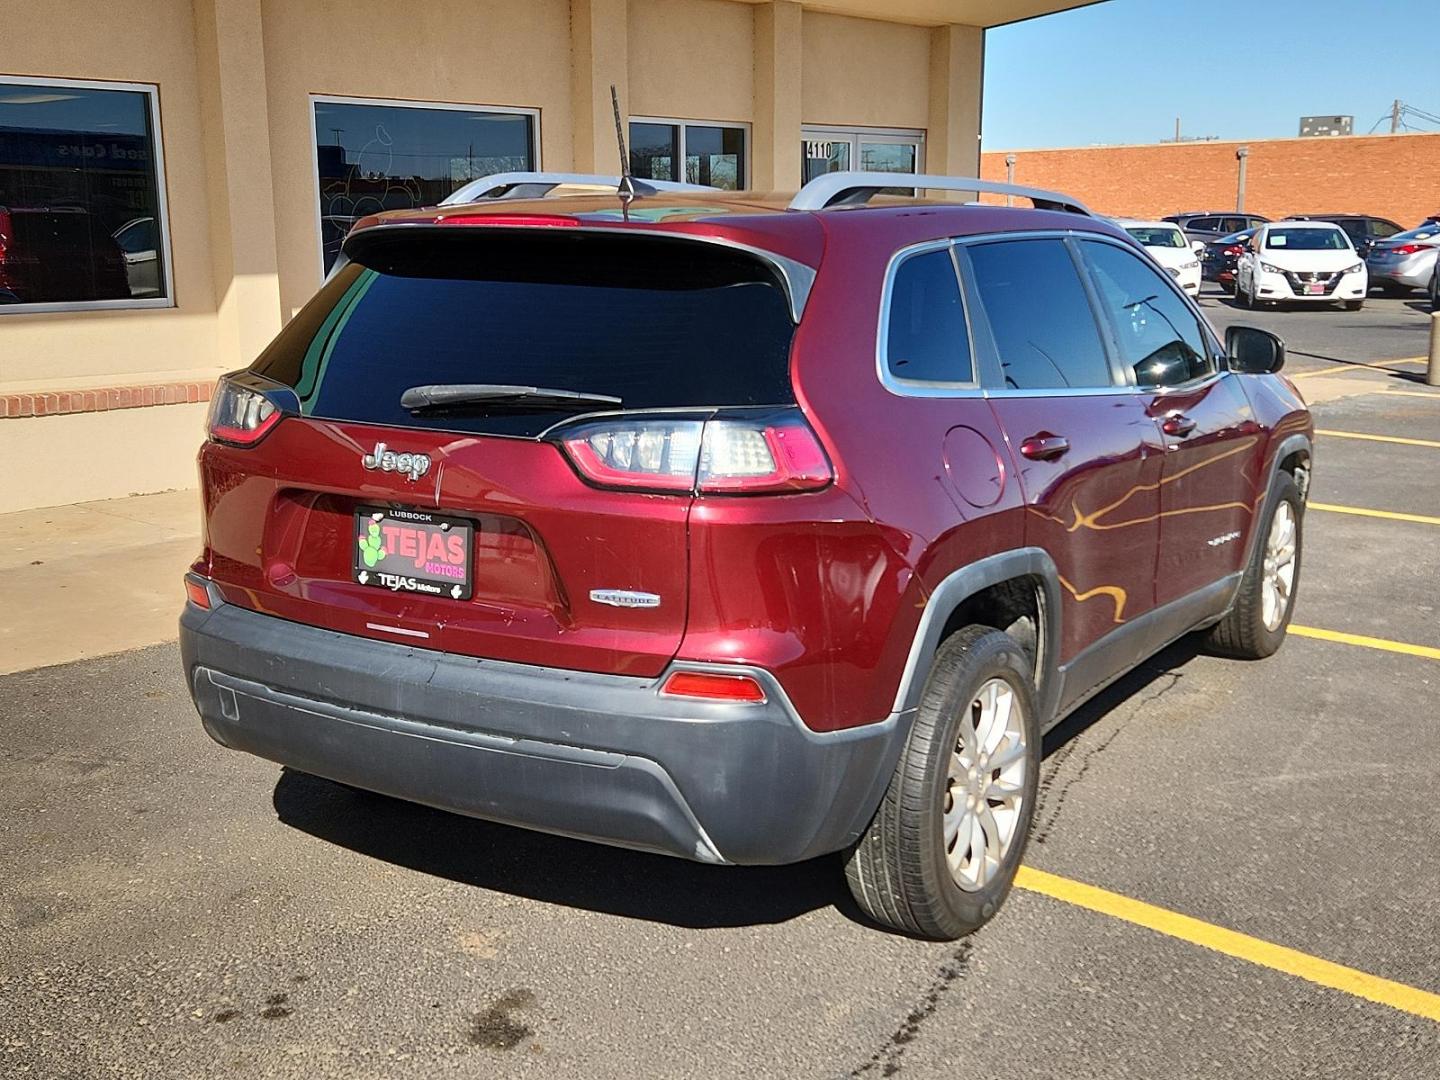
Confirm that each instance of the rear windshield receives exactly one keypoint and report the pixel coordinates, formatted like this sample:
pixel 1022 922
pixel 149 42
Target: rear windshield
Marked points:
pixel 1303 239
pixel 1154 236
pixel 656 322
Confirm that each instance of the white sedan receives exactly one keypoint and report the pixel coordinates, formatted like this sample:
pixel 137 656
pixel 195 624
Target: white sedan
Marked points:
pixel 1303 261
pixel 1167 246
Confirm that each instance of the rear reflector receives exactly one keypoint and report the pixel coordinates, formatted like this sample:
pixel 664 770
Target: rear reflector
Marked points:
pixel 713 687
pixel 197 593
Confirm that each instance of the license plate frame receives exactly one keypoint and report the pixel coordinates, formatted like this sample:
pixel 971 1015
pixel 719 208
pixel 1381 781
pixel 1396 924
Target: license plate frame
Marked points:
pixel 1315 289
pixel 398 534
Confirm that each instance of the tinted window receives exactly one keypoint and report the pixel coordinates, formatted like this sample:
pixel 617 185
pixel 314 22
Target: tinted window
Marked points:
pixel 1204 224
pixel 926 340
pixel 1379 227
pixel 1158 335
pixel 1300 238
pixel 659 324
pixel 654 150
pixel 76 165
pixel 1044 328
pixel 1232 224
pixel 1153 236
pixel 394 157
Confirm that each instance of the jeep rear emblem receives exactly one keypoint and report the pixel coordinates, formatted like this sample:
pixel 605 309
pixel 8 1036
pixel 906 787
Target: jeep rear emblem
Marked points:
pixel 413 466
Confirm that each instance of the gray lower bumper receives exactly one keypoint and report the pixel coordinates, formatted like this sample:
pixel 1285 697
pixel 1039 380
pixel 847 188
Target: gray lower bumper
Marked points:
pixel 600 757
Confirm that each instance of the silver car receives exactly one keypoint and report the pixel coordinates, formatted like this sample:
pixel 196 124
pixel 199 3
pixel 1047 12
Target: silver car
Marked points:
pixel 1406 260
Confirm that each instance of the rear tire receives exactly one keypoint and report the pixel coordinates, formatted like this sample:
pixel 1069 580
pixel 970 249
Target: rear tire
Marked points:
pixel 940 854
pixel 1256 624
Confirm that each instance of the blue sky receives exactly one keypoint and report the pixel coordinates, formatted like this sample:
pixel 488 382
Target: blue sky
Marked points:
pixel 1121 71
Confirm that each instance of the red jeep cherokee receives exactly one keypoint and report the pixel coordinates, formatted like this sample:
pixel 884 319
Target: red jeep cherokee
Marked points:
pixel 733 530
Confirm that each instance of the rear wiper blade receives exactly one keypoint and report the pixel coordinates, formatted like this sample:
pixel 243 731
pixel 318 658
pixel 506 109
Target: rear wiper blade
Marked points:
pixel 447 395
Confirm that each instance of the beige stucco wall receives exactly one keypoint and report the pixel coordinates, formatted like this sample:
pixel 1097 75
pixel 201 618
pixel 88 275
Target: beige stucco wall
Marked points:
pixel 145 41
pixel 505 54
pixel 865 72
pixel 692 59
pixel 103 455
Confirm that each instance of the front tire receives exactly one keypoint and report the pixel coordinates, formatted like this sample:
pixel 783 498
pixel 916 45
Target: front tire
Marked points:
pixel 940 854
pixel 1354 305
pixel 1256 624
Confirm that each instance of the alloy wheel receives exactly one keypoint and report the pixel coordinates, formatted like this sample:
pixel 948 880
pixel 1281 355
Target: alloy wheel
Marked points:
pixel 985 785
pixel 1278 574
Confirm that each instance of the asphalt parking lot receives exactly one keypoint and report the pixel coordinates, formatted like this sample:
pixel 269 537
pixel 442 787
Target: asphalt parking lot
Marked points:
pixel 171 909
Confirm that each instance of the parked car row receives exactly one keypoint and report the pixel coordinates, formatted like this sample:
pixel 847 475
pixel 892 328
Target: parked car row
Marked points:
pixel 1362 229
pixel 63 254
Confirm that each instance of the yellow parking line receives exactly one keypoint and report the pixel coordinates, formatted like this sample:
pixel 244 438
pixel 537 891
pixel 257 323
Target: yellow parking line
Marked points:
pixel 1388 515
pixel 1432 395
pixel 1253 950
pixel 1429 652
pixel 1359 365
pixel 1378 438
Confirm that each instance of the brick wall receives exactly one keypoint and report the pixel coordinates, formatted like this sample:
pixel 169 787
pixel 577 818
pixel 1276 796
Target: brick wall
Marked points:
pixel 1392 176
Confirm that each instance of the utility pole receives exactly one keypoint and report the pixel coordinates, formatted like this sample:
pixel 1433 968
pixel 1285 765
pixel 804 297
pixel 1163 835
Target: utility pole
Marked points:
pixel 1395 117
pixel 1241 153
pixel 1009 177
pixel 1177 129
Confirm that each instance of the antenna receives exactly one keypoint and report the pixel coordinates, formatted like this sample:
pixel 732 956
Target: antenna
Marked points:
pixel 627 182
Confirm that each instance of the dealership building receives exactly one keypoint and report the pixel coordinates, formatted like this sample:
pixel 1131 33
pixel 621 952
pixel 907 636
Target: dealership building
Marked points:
pixel 176 175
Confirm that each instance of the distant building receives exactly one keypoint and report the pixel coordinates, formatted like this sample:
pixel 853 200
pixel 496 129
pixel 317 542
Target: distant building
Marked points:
pixel 1326 125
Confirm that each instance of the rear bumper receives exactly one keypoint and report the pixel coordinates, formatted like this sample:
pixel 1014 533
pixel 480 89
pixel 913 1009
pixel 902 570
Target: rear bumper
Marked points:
pixel 600 757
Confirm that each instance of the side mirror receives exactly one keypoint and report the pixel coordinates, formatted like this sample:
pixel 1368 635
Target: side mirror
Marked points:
pixel 1253 351
pixel 1197 246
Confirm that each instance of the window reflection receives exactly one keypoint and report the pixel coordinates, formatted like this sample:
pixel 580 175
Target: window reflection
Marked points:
pixel 395 157
pixel 79 198
pixel 714 155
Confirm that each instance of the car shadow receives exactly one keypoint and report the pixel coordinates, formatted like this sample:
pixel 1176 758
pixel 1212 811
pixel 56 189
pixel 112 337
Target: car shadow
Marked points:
pixel 1149 672
pixel 556 869
pixel 612 881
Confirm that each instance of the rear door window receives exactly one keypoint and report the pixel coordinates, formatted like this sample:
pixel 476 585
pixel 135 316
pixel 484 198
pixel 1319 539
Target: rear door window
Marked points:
pixel 926 340
pixel 658 323
pixel 1041 320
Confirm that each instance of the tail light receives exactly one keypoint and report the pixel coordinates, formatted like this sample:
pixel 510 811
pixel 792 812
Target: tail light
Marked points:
pixel 1235 249
pixel 7 227
pixel 1407 249
pixel 723 455
pixel 241 414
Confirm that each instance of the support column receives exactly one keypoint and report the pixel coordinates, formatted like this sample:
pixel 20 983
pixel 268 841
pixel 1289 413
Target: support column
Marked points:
pixel 231 61
pixel 957 78
pixel 775 163
pixel 600 55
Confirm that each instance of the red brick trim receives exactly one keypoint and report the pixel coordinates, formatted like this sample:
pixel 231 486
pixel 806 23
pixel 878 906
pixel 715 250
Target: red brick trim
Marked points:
pixel 103 399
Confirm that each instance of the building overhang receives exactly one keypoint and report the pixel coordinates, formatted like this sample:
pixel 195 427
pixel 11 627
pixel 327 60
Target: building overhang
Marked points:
pixel 984 14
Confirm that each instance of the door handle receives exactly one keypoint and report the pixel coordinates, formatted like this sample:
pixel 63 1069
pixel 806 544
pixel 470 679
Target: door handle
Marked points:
pixel 1044 446
pixel 1177 425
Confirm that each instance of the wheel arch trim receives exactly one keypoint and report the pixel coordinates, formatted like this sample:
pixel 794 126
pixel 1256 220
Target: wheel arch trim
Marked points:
pixel 967 581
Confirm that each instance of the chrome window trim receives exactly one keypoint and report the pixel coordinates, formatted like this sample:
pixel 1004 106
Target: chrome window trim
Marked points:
pixel 162 202
pixel 797 278
pixel 921 388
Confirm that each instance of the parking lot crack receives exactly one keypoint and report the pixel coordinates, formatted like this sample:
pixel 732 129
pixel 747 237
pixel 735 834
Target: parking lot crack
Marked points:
pixel 1052 798
pixel 886 1061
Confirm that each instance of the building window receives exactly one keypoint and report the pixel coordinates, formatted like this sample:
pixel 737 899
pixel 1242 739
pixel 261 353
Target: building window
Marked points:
pixel 835 149
pixel 714 154
pixel 388 155
pixel 82 214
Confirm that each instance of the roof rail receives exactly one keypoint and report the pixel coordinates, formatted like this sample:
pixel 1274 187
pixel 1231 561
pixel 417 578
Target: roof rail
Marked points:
pixel 857 188
pixel 536 185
